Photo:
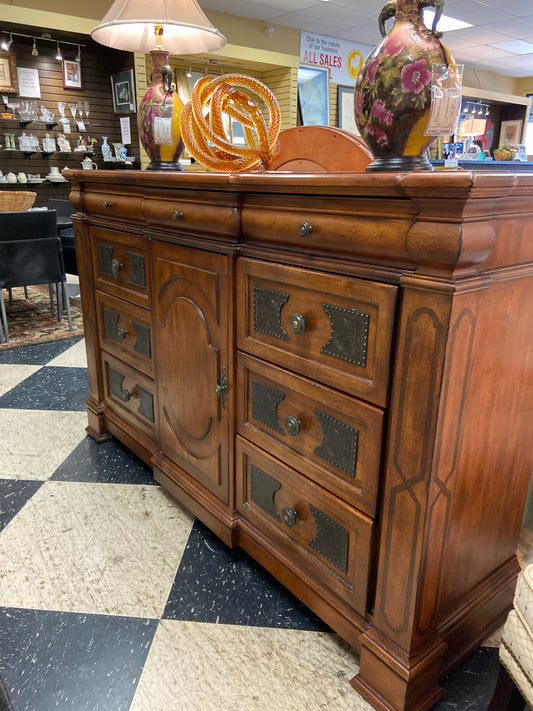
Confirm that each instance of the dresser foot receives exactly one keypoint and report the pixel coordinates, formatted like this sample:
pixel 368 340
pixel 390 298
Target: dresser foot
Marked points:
pixel 393 682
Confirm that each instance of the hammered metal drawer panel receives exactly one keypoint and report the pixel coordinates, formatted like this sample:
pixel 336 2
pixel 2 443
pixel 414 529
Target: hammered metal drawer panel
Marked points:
pixel 125 331
pixel 334 329
pixel 333 438
pixel 122 265
pixel 313 530
pixel 130 394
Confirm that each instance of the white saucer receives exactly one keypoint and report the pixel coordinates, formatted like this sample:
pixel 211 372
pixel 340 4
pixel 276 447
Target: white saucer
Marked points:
pixel 56 178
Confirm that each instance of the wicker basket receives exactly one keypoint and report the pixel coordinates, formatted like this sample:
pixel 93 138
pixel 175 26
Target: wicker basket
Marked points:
pixel 16 200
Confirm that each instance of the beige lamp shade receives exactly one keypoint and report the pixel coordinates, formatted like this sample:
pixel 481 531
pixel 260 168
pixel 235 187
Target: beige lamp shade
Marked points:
pixel 129 25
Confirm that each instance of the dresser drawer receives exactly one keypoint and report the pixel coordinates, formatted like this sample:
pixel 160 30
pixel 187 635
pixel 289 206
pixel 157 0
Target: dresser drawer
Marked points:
pixel 125 331
pixel 334 329
pixel 333 438
pixel 205 214
pixel 122 265
pixel 318 534
pixel 130 394
pixel 113 205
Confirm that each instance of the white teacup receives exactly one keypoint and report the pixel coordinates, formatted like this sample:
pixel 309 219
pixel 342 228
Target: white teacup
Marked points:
pixel 22 178
pixel 54 170
pixel 11 178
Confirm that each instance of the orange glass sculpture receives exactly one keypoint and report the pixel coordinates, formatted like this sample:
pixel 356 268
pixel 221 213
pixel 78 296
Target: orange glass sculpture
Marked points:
pixel 202 124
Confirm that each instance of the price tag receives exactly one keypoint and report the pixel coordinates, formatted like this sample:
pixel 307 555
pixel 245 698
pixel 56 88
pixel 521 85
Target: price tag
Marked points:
pixel 445 106
pixel 163 131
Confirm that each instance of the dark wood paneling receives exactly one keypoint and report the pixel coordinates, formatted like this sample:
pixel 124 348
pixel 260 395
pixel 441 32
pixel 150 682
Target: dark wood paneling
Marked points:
pixel 97 64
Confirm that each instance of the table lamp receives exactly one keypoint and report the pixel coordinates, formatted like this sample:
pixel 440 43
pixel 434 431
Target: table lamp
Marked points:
pixel 159 27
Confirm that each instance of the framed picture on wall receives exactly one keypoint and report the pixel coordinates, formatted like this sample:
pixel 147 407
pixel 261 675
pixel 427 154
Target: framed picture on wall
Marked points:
pixel 313 96
pixel 511 133
pixel 123 88
pixel 345 109
pixel 8 73
pixel 72 74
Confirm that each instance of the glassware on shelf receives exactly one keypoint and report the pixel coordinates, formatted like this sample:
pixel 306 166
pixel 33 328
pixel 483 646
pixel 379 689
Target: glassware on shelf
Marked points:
pixel 107 153
pixel 49 144
pixel 73 109
pixel 61 108
pixel 13 106
pixel 10 141
pixel 86 108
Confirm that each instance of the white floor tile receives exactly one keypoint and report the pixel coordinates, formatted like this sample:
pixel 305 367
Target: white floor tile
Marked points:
pixel 35 442
pixel 195 666
pixel 75 357
pixel 11 375
pixel 108 549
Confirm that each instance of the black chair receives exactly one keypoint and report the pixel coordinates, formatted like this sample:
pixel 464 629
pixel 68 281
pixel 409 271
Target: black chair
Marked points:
pixel 65 231
pixel 30 254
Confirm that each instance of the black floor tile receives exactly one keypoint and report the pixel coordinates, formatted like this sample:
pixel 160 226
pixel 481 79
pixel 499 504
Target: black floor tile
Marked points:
pixel 106 463
pixel 217 584
pixel 36 355
pixel 50 388
pixel 471 685
pixel 69 661
pixel 13 496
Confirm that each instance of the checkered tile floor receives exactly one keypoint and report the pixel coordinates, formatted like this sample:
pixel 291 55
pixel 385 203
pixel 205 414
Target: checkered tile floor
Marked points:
pixel 113 598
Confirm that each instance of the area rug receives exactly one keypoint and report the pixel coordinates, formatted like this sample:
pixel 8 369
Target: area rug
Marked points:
pixel 30 321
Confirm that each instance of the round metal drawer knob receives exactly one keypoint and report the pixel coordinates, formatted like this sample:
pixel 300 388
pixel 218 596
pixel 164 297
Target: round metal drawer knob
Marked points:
pixel 177 215
pixel 292 425
pixel 297 324
pixel 122 332
pixel 305 229
pixel 289 516
pixel 106 203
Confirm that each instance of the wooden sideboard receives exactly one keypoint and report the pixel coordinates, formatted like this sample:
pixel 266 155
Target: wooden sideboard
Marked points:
pixel 334 372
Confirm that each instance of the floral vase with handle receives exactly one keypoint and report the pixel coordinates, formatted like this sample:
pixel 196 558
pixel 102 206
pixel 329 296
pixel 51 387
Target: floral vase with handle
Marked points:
pixel 393 90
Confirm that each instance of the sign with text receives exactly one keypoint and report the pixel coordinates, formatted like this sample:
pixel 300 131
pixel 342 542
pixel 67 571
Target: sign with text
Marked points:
pixel 343 59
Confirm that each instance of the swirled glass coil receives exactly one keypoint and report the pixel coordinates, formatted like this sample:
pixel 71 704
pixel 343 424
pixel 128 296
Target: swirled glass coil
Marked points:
pixel 202 123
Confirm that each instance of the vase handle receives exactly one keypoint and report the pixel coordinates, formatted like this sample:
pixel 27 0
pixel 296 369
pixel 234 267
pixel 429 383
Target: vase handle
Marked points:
pixel 167 76
pixel 389 10
pixel 439 7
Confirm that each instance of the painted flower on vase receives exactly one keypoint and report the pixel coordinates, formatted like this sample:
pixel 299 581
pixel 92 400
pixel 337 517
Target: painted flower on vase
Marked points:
pixel 379 111
pixel 372 70
pixel 393 44
pixel 415 76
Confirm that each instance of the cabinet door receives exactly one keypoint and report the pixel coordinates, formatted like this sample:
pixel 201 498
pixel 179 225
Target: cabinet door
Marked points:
pixel 193 317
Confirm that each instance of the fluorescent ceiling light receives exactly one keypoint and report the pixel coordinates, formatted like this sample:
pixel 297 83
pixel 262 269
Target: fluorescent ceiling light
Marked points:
pixel 515 46
pixel 446 23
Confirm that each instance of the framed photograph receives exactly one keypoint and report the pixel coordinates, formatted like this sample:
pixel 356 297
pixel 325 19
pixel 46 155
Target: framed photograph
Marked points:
pixel 8 73
pixel 510 133
pixel 345 109
pixel 72 74
pixel 123 88
pixel 313 96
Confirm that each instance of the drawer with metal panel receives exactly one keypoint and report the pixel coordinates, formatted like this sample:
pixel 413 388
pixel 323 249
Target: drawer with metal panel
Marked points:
pixel 122 265
pixel 316 535
pixel 125 331
pixel 130 394
pixel 333 438
pixel 334 329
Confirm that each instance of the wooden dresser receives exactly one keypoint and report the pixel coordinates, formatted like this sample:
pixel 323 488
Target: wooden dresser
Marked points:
pixel 334 372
